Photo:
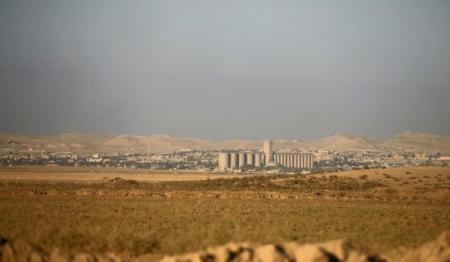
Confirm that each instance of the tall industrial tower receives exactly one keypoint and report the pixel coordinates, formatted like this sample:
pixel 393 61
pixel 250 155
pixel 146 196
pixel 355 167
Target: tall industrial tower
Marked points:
pixel 268 152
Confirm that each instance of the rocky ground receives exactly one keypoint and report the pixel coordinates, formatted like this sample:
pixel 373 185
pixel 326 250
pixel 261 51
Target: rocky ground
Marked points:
pixel 333 251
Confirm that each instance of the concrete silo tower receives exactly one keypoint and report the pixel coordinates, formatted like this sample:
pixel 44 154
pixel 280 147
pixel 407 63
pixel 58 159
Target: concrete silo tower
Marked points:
pixel 242 159
pixel 224 161
pixel 258 160
pixel 250 159
pixel 268 152
pixel 234 160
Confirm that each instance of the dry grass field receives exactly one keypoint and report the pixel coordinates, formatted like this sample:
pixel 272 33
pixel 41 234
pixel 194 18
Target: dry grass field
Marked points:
pixel 93 175
pixel 132 213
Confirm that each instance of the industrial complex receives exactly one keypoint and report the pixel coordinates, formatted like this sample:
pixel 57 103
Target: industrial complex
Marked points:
pixel 229 161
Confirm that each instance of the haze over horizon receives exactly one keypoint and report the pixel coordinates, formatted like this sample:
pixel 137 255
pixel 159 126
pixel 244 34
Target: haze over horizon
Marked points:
pixel 350 136
pixel 230 69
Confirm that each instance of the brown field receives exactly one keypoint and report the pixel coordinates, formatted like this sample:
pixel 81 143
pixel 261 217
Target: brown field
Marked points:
pixel 92 175
pixel 137 212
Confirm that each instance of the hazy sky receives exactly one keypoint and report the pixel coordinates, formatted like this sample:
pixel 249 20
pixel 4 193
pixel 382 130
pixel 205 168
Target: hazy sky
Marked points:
pixel 222 69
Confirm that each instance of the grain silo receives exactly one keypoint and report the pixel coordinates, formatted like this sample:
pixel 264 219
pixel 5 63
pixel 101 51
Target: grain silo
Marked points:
pixel 291 160
pixel 250 159
pixel 268 152
pixel 242 160
pixel 224 161
pixel 311 160
pixel 258 160
pixel 234 161
pixel 296 160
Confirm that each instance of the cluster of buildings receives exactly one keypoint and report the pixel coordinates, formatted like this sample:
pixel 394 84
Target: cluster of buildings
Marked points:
pixel 228 161
pixel 191 160
pixel 347 160
pixel 280 160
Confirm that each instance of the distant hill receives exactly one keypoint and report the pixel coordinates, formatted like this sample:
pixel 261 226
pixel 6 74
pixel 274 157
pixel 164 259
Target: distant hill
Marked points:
pixel 418 141
pixel 166 143
pixel 126 141
pixel 63 142
pixel 163 143
pixel 343 142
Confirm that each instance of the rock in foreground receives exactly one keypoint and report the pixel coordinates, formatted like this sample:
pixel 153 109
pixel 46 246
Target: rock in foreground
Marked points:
pixel 332 251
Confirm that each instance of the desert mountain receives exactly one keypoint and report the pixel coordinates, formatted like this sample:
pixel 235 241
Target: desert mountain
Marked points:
pixel 166 143
pixel 163 143
pixel 64 142
pixel 126 141
pixel 418 142
pixel 343 142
